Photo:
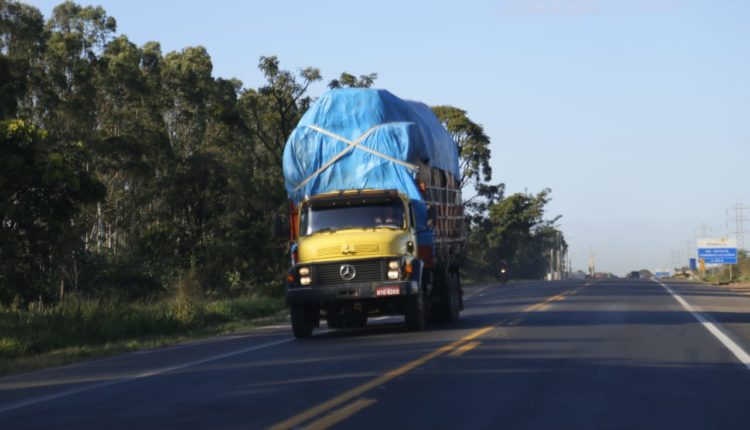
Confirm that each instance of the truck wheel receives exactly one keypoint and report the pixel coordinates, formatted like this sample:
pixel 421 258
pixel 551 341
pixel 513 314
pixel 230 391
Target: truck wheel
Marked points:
pixel 453 298
pixel 415 313
pixel 460 291
pixel 449 305
pixel 303 321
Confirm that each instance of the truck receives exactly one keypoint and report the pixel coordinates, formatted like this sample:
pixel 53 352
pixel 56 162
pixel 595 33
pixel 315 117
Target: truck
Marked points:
pixel 376 214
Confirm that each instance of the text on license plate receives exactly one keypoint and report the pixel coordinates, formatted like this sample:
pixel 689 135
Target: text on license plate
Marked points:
pixel 387 291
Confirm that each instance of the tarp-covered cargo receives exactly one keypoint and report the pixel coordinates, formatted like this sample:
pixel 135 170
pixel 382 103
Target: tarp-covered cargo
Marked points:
pixel 365 138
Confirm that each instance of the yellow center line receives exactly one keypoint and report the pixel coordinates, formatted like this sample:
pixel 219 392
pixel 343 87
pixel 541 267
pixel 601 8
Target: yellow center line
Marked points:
pixel 542 305
pixel 555 298
pixel 461 350
pixel 340 415
pixel 513 322
pixel 532 308
pixel 382 379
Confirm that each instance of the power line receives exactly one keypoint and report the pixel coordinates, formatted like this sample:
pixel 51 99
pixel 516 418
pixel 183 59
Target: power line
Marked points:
pixel 739 222
pixel 689 249
pixel 702 231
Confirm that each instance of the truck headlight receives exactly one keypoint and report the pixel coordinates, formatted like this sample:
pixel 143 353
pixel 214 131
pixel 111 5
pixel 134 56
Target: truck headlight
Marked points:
pixel 304 271
pixel 394 269
pixel 305 280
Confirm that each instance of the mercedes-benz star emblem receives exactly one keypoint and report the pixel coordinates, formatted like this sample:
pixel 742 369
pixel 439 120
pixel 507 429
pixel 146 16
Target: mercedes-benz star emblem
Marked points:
pixel 347 272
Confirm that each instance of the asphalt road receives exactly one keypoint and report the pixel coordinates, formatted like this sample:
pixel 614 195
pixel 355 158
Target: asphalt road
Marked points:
pixel 630 354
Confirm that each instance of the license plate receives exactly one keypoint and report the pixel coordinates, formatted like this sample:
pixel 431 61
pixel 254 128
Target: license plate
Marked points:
pixel 387 291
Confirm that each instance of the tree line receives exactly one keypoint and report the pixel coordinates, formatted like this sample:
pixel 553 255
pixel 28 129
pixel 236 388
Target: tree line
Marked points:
pixel 123 168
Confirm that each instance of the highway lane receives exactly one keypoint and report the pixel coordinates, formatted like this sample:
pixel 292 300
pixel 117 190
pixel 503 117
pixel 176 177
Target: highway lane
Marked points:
pixel 568 354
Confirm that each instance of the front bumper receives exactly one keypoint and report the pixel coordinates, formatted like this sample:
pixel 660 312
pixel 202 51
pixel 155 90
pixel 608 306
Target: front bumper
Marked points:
pixel 348 291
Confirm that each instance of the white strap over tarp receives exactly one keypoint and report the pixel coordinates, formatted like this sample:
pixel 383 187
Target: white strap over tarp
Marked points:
pixel 350 146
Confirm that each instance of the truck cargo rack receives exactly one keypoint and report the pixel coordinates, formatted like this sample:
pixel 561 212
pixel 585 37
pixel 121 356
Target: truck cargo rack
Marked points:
pixel 442 195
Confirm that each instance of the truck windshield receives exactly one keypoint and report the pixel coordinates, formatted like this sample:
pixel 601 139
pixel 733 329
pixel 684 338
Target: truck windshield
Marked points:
pixel 383 214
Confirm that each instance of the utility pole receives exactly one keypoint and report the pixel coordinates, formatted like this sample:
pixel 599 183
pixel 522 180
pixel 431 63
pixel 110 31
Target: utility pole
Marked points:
pixel 702 231
pixel 592 265
pixel 570 264
pixel 739 222
pixel 550 263
pixel 560 259
pixel 689 249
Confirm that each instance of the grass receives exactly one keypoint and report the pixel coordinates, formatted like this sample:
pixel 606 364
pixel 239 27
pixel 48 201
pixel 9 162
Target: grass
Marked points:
pixel 80 328
pixel 740 272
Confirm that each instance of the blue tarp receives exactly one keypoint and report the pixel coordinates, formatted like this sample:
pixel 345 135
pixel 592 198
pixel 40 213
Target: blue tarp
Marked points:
pixel 402 130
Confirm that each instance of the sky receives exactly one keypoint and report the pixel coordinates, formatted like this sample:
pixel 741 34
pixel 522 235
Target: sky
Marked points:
pixel 636 114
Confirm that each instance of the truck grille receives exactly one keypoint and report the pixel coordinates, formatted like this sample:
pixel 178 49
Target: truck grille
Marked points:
pixel 366 271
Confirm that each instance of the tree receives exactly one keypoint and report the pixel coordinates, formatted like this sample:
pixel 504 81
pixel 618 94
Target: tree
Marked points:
pixel 473 144
pixel 22 42
pixel 42 187
pixel 516 231
pixel 347 80
pixel 68 100
pixel 274 109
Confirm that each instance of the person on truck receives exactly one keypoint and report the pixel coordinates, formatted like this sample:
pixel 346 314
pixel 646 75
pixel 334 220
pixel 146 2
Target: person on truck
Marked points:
pixel 388 217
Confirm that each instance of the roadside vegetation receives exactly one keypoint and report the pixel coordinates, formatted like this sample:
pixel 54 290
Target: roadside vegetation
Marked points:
pixel 740 273
pixel 80 327
pixel 128 174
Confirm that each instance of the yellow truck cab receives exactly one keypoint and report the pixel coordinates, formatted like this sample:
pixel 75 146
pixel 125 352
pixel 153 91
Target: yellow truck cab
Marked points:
pixel 356 256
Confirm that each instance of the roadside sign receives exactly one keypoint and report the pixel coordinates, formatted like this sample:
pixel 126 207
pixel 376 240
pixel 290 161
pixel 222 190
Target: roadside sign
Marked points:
pixel 693 264
pixel 702 263
pixel 662 274
pixel 718 251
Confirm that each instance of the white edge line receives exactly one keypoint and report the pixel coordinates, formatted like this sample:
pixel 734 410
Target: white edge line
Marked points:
pixel 718 333
pixel 140 352
pixel 141 375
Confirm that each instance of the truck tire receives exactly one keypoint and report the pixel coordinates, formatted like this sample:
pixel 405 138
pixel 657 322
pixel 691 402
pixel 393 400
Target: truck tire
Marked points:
pixel 460 292
pixel 303 321
pixel 415 313
pixel 449 305
pixel 453 299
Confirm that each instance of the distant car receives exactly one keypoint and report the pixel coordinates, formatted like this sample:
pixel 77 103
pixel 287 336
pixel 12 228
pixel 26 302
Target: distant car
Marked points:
pixel 634 274
pixel 578 275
